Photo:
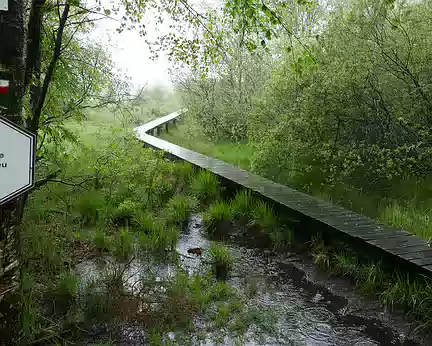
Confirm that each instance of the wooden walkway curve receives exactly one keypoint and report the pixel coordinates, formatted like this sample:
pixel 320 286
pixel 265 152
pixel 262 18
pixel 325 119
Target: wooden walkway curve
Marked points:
pixel 412 250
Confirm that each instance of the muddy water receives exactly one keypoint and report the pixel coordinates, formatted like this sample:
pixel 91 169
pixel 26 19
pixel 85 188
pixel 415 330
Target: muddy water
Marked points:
pixel 300 312
pixel 303 314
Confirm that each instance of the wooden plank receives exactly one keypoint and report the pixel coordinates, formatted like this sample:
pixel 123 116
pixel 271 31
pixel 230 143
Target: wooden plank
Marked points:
pixel 422 261
pixel 417 254
pixel 406 250
pixel 398 241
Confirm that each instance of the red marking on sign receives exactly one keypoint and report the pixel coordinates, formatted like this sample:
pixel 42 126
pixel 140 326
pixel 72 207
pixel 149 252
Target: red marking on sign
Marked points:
pixel 4 87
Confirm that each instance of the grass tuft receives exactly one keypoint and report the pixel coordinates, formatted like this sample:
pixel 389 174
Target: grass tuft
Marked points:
pixel 178 210
pixel 217 216
pixel 221 260
pixel 67 285
pixel 101 241
pixel 125 212
pixel 264 217
pixel 90 206
pixel 160 238
pixel 205 186
pixel 183 172
pixel 124 244
pixel 243 205
pixel 281 237
pixel 144 221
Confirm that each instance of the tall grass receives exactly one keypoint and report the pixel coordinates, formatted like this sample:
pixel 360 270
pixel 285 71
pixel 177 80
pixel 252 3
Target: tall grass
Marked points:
pixel 411 219
pixel 160 237
pixel 264 216
pixel 243 204
pixel 178 209
pixel 205 186
pixel 395 289
pixel 218 216
pixel 238 154
pixel 124 244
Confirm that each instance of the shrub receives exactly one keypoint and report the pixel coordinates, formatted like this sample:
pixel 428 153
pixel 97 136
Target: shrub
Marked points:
pixel 219 214
pixel 205 186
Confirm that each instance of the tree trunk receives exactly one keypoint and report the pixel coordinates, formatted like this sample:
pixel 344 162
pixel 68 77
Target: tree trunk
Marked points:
pixel 12 38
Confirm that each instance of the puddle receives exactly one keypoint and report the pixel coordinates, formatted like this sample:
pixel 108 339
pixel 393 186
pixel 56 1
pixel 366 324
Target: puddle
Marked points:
pixel 300 313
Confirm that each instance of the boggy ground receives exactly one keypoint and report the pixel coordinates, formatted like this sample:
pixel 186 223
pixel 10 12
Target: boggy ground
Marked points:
pixel 269 298
pixel 106 261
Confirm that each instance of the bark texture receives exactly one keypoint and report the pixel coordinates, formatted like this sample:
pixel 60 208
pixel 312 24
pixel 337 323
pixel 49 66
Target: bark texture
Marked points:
pixel 12 38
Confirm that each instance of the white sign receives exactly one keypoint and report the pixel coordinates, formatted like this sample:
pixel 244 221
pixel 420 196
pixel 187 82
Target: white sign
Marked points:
pixel 4 5
pixel 17 160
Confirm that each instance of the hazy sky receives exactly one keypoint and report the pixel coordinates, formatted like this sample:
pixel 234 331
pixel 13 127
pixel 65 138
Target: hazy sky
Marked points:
pixel 131 54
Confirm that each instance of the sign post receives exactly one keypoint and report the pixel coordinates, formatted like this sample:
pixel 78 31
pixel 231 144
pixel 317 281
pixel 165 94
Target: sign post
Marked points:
pixel 17 160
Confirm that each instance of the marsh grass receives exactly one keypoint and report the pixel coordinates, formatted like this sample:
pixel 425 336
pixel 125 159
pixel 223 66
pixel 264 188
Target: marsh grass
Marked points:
pixel 238 154
pixel 264 217
pixel 101 241
pixel 90 206
pixel 179 209
pixel 144 221
pixel 218 217
pixel 124 244
pixel 205 186
pixel 409 218
pixel 281 237
pixel 221 260
pixel 395 289
pixel 160 237
pixel 243 205
pixel 183 173
pixel 124 212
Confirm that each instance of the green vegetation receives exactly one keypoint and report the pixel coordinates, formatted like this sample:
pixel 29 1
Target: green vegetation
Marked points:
pixel 218 217
pixel 264 217
pixel 243 205
pixel 101 240
pixel 395 289
pixel 123 245
pixel 178 209
pixel 239 154
pixel 331 99
pixel 205 186
pixel 349 127
pixel 221 260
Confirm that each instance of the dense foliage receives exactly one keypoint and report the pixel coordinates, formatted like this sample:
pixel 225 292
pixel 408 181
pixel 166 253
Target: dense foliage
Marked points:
pixel 340 107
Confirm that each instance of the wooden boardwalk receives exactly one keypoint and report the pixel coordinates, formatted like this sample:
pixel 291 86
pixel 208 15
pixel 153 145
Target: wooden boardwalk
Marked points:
pixel 412 250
